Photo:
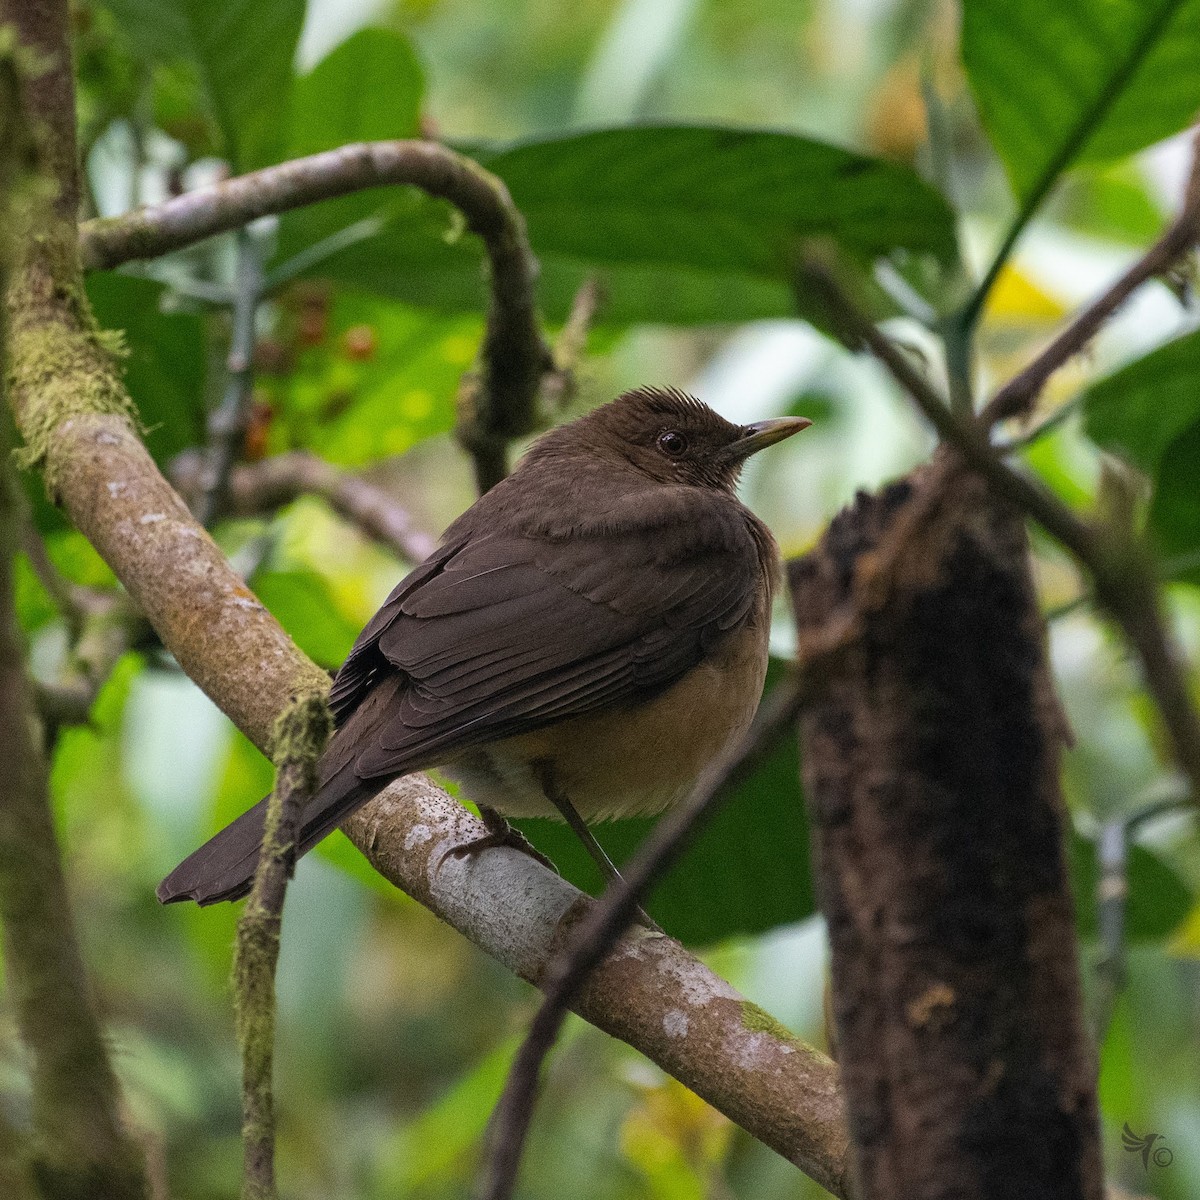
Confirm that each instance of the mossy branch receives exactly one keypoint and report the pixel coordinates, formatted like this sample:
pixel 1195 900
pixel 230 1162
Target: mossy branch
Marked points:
pixel 79 1146
pixel 499 400
pixel 300 735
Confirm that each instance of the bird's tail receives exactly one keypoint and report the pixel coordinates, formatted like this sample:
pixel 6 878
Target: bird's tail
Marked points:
pixel 223 868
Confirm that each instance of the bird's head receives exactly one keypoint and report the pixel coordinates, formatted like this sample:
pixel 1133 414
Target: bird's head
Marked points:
pixel 674 438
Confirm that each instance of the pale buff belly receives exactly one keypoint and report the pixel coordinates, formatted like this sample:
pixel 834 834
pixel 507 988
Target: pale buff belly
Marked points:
pixel 626 763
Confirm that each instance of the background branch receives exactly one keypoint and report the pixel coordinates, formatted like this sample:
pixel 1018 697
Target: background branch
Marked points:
pixel 227 422
pixel 1016 397
pixel 1122 567
pixel 498 402
pixel 111 628
pixel 263 487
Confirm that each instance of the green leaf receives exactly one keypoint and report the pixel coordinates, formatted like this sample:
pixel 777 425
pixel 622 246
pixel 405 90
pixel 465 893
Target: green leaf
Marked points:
pixel 165 369
pixel 1149 413
pixel 242 51
pixel 368 89
pixel 681 224
pixel 725 199
pixel 747 872
pixel 358 406
pixel 1079 80
pixel 1138 411
pixel 305 607
pixel 1175 507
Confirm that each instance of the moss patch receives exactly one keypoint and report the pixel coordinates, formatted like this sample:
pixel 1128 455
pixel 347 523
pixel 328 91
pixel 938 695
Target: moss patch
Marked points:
pixel 758 1021
pixel 59 372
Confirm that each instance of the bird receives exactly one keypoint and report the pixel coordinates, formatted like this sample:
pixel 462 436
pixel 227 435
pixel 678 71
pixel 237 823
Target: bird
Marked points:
pixel 586 638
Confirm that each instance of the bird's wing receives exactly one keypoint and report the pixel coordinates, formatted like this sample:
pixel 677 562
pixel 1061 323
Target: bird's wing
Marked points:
pixel 503 633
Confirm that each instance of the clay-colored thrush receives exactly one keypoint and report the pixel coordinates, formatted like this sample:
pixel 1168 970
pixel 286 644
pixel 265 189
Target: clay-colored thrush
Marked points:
pixel 588 636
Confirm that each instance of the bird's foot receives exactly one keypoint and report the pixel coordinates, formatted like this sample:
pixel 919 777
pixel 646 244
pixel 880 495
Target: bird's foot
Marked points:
pixel 500 833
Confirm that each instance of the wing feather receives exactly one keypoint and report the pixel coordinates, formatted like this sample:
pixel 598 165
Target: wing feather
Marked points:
pixel 502 633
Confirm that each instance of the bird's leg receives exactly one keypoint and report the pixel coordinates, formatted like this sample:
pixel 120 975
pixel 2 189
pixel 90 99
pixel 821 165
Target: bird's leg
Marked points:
pixel 545 774
pixel 500 833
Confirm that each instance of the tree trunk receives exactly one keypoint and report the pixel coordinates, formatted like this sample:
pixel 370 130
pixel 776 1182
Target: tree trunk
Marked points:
pixel 932 773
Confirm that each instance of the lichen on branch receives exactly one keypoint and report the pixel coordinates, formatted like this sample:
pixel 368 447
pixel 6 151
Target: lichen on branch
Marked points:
pixel 300 735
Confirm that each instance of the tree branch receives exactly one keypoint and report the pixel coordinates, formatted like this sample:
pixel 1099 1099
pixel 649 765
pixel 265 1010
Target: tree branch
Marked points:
pixel 1121 565
pixel 300 736
pixel 227 422
pixel 81 1145
pixel 514 356
pixel 262 487
pixel 1017 396
pixel 649 991
pixel 931 767
pixel 604 924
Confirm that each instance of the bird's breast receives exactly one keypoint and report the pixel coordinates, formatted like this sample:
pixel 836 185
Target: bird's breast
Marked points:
pixel 631 761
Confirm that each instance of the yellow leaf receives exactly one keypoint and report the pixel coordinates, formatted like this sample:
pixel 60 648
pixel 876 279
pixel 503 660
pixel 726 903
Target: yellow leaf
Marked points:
pixel 1016 299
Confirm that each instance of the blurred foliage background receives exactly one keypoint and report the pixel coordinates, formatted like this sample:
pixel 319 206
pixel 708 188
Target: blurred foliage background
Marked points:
pixel 394 1032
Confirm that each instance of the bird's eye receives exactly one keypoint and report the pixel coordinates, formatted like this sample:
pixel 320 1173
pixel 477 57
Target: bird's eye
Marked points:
pixel 672 443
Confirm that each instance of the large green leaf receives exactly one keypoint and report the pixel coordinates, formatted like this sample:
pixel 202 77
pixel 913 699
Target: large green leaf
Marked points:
pixel 748 870
pixel 1149 413
pixel 166 365
pixel 1079 80
pixel 682 224
pixel 241 51
pixel 368 89
pixel 724 199
pixel 1141 409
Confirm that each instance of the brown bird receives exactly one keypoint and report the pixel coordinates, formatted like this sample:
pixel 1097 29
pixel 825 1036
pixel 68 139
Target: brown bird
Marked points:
pixel 588 636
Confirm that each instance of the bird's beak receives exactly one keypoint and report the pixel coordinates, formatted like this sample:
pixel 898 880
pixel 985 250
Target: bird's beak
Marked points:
pixel 761 434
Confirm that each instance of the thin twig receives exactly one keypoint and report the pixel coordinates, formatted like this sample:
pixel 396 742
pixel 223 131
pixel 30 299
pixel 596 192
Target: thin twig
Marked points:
pixel 72 600
pixel 598 932
pixel 857 331
pixel 558 386
pixel 1122 568
pixel 488 444
pixel 262 487
pixel 110 629
pixel 227 422
pixel 1020 392
pixel 1112 898
pixel 300 736
pixel 1048 424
